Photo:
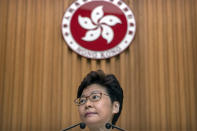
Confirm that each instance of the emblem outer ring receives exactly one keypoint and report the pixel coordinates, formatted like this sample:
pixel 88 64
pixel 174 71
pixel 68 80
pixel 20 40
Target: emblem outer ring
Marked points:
pixel 126 41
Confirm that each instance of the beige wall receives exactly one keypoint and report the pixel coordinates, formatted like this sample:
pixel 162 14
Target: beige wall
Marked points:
pixel 39 74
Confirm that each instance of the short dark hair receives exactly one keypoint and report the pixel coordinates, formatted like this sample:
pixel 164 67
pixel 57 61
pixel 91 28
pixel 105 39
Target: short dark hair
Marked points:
pixel 109 82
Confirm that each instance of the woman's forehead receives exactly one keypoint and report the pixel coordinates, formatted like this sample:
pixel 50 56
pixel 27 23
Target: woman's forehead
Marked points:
pixel 93 88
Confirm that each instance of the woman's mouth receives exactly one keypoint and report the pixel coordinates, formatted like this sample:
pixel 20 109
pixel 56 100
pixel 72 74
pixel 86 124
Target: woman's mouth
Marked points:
pixel 90 114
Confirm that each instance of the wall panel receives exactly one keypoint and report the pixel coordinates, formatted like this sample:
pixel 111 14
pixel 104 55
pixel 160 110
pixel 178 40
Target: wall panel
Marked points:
pixel 39 74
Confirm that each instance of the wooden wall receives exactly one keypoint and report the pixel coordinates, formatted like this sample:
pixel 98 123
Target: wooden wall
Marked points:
pixel 39 74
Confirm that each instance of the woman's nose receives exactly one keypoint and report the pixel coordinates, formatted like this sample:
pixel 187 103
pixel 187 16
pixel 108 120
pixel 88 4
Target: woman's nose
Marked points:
pixel 88 104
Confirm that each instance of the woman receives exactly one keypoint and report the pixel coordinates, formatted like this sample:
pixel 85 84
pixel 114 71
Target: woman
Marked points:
pixel 99 100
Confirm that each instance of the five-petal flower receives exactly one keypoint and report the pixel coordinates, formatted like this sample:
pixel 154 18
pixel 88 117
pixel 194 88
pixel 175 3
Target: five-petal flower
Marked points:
pixel 98 25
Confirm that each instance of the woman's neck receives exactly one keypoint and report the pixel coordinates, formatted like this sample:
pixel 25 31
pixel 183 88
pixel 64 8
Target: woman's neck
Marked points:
pixel 99 129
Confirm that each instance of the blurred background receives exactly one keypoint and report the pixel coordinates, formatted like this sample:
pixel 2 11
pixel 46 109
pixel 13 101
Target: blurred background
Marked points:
pixel 39 74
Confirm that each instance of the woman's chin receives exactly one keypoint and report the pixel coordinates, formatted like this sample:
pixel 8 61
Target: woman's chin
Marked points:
pixel 92 123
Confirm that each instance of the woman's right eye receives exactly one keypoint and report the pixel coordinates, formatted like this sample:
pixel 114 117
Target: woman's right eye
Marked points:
pixel 82 101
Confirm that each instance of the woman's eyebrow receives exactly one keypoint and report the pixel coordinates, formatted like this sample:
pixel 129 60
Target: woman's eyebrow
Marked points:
pixel 93 92
pixel 96 91
pixel 82 96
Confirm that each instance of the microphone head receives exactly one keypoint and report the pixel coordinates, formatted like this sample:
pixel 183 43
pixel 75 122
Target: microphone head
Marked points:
pixel 82 125
pixel 108 125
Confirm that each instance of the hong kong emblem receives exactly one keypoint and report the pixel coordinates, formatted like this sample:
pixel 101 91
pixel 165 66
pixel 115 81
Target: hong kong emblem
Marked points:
pixel 98 29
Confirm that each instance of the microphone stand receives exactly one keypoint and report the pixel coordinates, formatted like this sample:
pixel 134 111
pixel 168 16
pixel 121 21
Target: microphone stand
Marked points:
pixel 108 126
pixel 82 126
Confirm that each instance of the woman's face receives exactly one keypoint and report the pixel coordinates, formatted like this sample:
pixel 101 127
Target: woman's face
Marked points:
pixel 97 113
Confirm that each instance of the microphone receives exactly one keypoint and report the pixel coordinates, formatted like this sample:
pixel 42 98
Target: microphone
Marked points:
pixel 82 126
pixel 108 126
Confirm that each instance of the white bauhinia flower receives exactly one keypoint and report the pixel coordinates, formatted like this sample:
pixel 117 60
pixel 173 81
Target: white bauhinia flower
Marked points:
pixel 107 33
pixel 98 25
pixel 86 23
pixel 92 35
pixel 97 14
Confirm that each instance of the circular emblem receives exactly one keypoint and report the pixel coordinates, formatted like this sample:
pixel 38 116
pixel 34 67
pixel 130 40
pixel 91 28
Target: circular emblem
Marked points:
pixel 98 29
